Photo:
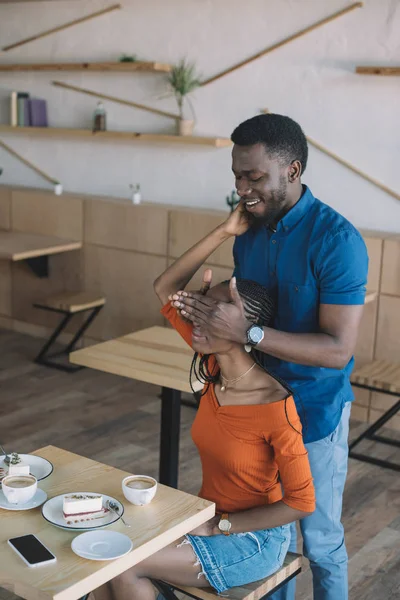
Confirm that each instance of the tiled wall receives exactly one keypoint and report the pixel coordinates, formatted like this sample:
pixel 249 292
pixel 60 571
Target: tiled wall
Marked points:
pixel 125 247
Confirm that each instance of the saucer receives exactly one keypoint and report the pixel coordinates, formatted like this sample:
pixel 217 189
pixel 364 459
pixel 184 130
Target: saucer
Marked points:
pixel 52 511
pixel 38 499
pixel 101 545
pixel 39 467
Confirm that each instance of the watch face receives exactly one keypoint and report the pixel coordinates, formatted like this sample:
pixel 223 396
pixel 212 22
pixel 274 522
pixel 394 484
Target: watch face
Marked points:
pixel 224 525
pixel 256 334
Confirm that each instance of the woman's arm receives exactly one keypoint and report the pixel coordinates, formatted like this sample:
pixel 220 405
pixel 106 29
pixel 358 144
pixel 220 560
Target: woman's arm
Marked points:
pixel 262 517
pixel 178 275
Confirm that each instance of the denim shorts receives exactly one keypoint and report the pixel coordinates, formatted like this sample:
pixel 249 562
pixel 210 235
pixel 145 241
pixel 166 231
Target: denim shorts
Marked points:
pixel 240 558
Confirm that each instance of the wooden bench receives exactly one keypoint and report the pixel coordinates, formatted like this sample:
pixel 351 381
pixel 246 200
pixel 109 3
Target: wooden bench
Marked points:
pixel 383 377
pixel 68 304
pixel 253 591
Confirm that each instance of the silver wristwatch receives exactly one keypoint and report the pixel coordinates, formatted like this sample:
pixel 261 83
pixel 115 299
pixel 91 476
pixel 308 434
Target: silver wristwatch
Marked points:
pixel 255 335
pixel 224 524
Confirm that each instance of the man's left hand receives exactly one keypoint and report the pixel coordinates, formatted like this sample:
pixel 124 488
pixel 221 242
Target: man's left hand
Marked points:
pixel 221 319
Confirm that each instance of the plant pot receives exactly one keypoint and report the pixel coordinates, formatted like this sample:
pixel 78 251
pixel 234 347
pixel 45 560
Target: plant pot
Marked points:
pixel 185 126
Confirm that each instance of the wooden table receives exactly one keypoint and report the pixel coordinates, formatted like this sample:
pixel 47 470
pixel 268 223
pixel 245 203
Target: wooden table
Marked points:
pixel 34 249
pixel 157 355
pixel 170 515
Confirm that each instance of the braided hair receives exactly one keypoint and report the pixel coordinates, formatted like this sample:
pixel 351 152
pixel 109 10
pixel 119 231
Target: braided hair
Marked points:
pixel 259 308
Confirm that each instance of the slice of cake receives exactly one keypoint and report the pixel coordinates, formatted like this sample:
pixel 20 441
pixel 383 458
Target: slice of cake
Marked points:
pixel 19 469
pixel 82 507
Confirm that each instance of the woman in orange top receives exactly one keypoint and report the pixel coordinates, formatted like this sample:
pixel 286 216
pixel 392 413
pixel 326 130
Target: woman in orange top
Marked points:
pixel 248 435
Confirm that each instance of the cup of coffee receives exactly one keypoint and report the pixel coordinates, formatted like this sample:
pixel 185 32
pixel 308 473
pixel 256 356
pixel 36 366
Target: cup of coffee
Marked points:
pixel 139 489
pixel 19 489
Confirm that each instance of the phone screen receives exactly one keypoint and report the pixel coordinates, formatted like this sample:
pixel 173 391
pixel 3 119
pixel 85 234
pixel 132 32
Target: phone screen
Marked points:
pixel 31 549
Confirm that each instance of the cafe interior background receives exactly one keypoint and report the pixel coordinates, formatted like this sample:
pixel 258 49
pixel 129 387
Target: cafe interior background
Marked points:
pixel 126 205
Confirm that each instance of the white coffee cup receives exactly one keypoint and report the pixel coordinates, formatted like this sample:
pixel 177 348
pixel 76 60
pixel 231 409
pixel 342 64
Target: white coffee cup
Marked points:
pixel 139 489
pixel 19 489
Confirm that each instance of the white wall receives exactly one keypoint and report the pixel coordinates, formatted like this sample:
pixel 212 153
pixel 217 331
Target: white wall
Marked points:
pixel 311 79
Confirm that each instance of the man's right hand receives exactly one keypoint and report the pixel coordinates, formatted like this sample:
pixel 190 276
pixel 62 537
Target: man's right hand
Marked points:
pixel 238 221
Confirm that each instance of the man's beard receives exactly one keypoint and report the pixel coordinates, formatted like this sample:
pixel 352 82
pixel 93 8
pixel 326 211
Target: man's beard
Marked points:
pixel 277 202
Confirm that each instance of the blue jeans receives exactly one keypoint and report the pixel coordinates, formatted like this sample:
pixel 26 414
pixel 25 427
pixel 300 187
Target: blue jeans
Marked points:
pixel 323 534
pixel 241 558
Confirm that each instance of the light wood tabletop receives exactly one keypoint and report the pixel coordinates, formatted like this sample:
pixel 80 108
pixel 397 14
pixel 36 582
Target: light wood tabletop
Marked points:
pixel 155 355
pixel 17 246
pixel 169 516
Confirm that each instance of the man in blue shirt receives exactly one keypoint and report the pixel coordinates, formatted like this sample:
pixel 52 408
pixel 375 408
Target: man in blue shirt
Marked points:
pixel 315 263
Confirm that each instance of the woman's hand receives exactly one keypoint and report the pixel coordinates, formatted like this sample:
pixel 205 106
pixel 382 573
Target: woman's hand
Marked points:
pixel 238 221
pixel 208 528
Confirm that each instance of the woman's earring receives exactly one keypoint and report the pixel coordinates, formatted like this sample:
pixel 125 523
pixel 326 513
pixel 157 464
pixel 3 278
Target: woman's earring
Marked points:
pixel 247 347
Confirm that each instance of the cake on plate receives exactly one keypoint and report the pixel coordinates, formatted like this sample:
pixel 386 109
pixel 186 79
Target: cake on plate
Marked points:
pixel 83 507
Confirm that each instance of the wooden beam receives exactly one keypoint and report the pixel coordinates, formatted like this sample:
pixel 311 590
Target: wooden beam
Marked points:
pixel 26 162
pixel 86 66
pixel 38 36
pixel 295 36
pixel 75 88
pixel 378 70
pixel 345 163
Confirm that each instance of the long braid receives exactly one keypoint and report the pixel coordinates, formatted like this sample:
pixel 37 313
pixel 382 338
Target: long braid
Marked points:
pixel 259 309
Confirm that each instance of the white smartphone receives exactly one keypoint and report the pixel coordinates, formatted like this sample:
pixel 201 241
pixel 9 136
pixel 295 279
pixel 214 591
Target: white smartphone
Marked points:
pixel 31 550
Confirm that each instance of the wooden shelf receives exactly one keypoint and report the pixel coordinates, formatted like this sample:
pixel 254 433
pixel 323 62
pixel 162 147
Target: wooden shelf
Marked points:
pixel 154 67
pixel 86 134
pixel 378 70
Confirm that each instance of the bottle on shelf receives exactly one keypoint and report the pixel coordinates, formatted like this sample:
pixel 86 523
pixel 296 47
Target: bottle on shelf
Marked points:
pixel 99 118
pixel 136 193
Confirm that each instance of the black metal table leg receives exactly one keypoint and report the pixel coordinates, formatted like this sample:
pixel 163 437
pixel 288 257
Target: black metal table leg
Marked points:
pixel 169 437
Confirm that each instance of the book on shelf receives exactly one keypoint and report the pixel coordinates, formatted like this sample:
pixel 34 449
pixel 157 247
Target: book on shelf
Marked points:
pixel 22 109
pixel 13 109
pixel 37 112
pixel 26 111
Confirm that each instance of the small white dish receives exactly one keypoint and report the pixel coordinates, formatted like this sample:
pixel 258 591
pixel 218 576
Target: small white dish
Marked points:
pixel 101 545
pixel 38 499
pixel 39 467
pixel 52 511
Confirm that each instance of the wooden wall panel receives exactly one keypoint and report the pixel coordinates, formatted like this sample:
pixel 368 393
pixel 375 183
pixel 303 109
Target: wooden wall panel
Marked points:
pixel 359 413
pixel 5 207
pixel 47 214
pixel 66 274
pixel 388 334
pixel 219 274
pixel 394 422
pixel 126 280
pixel 391 268
pixel 362 397
pixel 382 402
pixel 142 228
pixel 364 351
pixel 374 247
pixel 5 288
pixel 188 227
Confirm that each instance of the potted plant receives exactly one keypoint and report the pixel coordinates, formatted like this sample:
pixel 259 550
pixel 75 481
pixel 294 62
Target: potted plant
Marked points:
pixel 183 80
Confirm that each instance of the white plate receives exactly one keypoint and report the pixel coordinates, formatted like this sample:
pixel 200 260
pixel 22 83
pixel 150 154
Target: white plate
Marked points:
pixel 101 545
pixel 38 499
pixel 52 511
pixel 39 467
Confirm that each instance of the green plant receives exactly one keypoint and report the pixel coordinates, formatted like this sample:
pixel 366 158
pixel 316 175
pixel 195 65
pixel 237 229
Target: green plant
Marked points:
pixel 232 200
pixel 127 58
pixel 183 80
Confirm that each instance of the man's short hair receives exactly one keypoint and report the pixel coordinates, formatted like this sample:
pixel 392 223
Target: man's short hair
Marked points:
pixel 281 136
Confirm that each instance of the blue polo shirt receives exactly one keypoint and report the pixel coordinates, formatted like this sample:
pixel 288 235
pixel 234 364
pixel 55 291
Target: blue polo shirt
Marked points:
pixel 315 257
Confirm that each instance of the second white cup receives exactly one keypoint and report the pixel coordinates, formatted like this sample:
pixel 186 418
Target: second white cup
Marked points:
pixel 139 489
